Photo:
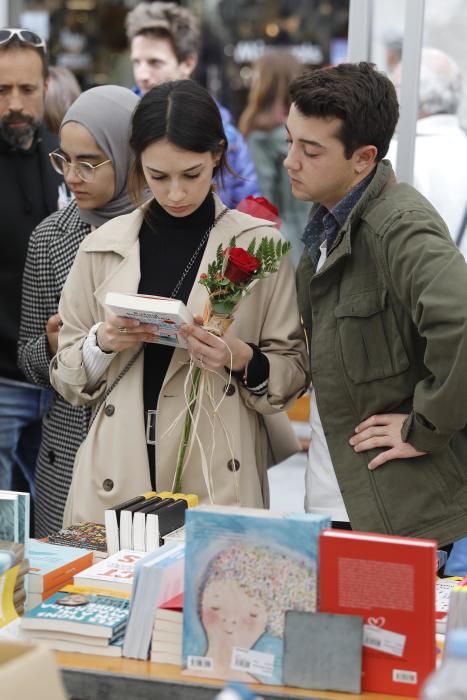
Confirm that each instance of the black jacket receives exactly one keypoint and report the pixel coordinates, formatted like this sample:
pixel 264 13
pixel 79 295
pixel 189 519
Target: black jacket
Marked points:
pixel 29 193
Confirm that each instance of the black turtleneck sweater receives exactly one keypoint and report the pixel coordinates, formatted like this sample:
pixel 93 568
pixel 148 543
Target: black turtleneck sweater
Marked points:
pixel 167 244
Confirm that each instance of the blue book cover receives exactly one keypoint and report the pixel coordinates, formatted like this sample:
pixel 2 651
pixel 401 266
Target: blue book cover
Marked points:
pixel 9 525
pixel 14 517
pixel 87 614
pixel 247 567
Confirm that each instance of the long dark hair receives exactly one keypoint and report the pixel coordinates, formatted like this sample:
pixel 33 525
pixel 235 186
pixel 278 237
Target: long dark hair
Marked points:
pixel 185 114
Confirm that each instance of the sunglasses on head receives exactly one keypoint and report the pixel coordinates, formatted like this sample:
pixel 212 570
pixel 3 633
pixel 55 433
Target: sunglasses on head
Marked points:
pixel 25 36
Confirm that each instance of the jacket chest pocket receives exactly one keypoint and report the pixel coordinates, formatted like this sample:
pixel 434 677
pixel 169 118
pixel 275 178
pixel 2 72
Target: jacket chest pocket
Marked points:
pixel 370 341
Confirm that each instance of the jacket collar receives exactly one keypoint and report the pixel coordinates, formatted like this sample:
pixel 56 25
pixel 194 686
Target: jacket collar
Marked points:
pixel 383 179
pixel 69 218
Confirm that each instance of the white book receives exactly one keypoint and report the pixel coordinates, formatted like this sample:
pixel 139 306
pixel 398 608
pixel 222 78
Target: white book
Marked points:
pixel 171 647
pixel 174 617
pixel 146 531
pixel 152 534
pixel 168 314
pixel 177 535
pixel 167 638
pixel 158 577
pixel 115 572
pixel 113 649
pixel 65 636
pixel 164 657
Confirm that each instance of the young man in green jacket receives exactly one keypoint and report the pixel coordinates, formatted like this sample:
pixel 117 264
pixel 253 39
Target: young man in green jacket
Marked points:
pixel 383 295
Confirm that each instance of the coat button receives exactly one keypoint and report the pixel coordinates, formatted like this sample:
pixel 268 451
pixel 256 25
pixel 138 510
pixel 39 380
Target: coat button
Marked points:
pixel 51 456
pixel 233 465
pixel 107 484
pixel 229 389
pixel 109 410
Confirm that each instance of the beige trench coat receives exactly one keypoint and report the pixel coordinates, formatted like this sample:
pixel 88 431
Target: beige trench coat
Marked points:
pixel 112 464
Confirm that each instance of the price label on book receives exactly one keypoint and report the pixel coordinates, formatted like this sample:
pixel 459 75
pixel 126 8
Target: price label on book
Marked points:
pixel 199 663
pixel 255 662
pixel 401 676
pixel 383 640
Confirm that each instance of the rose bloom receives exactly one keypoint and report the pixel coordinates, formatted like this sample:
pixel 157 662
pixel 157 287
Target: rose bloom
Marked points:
pixel 241 265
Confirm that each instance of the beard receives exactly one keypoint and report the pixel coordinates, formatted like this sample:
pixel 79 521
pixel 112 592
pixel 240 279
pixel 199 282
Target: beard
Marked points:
pixel 18 136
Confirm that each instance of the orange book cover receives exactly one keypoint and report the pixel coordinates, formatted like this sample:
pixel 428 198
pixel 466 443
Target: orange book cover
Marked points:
pixel 52 565
pixel 390 582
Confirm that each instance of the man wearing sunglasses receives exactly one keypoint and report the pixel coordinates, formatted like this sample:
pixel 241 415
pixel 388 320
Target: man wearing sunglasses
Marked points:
pixel 28 193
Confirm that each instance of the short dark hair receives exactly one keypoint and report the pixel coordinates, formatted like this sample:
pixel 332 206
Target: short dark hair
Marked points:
pixel 362 97
pixel 15 43
pixel 185 114
pixel 166 20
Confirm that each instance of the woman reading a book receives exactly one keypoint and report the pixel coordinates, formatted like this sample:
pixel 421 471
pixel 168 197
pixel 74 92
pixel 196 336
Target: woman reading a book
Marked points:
pixel 140 388
pixel 94 161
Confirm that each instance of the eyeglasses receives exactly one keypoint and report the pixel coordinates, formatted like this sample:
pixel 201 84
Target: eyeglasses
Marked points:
pixel 85 171
pixel 25 36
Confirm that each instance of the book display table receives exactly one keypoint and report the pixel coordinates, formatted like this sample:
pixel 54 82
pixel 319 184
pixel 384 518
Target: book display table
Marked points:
pixel 94 677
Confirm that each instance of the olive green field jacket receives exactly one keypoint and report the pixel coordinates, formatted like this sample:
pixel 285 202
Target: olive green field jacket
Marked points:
pixel 386 320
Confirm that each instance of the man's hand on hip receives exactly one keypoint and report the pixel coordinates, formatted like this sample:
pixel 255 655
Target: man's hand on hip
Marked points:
pixel 383 431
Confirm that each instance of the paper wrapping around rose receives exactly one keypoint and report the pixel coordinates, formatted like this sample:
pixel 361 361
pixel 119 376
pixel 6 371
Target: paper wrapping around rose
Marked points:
pixel 214 321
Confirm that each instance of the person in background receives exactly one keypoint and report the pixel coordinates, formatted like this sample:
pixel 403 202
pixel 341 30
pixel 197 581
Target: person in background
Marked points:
pixel 162 249
pixel 94 159
pixel 29 194
pixel 440 143
pixel 62 91
pixel 262 123
pixel 165 43
pixel 381 290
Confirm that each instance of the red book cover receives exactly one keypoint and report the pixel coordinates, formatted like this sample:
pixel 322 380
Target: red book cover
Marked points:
pixel 390 582
pixel 174 603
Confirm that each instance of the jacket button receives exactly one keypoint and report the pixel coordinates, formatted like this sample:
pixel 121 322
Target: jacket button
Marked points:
pixel 51 456
pixel 233 465
pixel 107 484
pixel 229 389
pixel 109 410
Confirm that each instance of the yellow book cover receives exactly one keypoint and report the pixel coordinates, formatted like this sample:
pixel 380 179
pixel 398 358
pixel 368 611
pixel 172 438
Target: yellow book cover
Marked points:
pixel 7 587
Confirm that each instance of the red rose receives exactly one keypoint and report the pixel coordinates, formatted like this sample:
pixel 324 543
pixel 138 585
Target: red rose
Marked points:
pixel 241 265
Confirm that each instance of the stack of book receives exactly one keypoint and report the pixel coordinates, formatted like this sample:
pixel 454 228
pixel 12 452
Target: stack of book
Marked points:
pixel 115 572
pixel 13 567
pixel 167 634
pixel 51 567
pixel 158 577
pixel 90 536
pixel 80 619
pixel 143 522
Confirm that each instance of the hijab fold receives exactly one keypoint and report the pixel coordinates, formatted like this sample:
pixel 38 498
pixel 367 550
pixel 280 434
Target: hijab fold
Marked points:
pixel 106 112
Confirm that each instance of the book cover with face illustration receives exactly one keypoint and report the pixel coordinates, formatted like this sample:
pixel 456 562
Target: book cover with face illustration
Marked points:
pixel 247 568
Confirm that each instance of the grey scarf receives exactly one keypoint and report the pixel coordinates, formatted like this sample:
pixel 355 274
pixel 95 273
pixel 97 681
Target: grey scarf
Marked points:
pixel 106 112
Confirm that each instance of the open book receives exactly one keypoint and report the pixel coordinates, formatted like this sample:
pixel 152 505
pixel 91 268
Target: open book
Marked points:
pixel 168 314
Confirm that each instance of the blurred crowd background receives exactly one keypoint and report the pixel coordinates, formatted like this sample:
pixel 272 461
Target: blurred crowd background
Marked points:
pixel 88 36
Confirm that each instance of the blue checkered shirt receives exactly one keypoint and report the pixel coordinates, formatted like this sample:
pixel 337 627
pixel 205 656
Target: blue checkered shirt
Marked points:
pixel 326 223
